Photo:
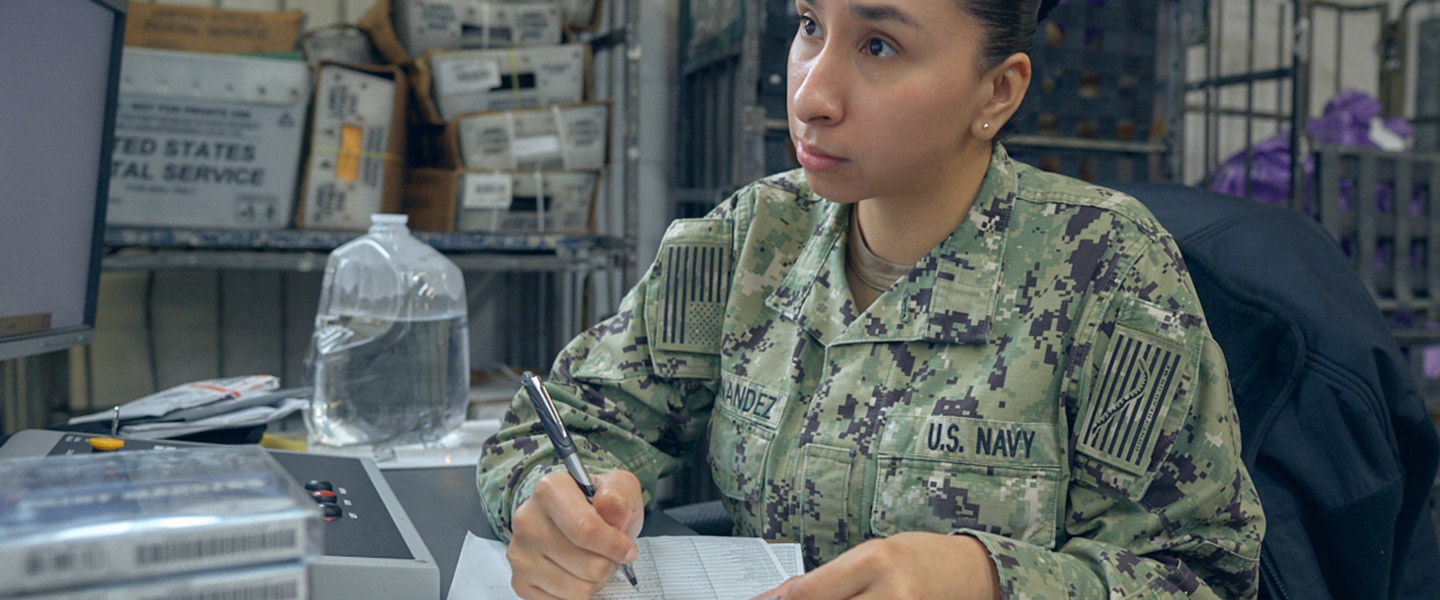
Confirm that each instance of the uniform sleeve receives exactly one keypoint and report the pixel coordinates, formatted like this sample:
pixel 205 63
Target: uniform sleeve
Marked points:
pixel 1159 503
pixel 635 391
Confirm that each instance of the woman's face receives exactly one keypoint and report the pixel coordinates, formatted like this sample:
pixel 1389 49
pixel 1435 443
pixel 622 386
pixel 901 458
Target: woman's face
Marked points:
pixel 882 95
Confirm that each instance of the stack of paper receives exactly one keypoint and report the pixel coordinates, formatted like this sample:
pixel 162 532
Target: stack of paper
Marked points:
pixel 669 568
pixel 204 406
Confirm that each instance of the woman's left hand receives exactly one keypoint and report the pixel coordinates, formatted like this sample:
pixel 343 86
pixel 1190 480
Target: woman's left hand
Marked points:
pixel 906 565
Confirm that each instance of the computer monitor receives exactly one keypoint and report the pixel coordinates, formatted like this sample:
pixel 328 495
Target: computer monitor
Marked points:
pixel 59 71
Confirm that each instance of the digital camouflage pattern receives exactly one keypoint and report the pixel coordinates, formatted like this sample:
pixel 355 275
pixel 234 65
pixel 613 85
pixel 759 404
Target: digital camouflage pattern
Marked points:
pixel 1043 380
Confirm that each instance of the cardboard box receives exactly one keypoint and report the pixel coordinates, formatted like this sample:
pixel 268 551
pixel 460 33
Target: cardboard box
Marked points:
pixel 197 29
pixel 206 140
pixel 456 82
pixel 345 44
pixel 578 14
pixel 424 25
pixel 376 23
pixel 357 146
pixel 403 30
pixel 562 138
pixel 548 202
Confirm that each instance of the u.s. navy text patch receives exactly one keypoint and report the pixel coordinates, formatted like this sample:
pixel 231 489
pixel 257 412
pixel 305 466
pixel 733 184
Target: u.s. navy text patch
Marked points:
pixel 692 296
pixel 1137 381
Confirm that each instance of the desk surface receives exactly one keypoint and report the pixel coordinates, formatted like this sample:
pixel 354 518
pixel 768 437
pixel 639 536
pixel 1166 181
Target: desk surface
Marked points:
pixel 443 504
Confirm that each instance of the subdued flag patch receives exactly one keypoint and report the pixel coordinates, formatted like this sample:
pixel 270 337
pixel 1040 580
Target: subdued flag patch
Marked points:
pixel 692 296
pixel 1137 381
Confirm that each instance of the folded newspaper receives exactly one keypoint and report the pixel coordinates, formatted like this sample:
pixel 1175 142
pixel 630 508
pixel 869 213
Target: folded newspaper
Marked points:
pixel 203 406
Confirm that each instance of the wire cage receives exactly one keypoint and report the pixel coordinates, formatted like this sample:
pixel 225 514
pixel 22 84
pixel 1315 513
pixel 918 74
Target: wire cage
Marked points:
pixel 1310 103
pixel 1105 94
pixel 1330 108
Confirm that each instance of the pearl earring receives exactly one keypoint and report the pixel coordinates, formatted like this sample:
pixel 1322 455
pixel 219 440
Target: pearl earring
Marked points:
pixel 985 126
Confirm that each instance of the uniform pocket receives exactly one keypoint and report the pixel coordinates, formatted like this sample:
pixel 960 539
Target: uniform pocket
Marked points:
pixel 940 474
pixel 738 448
pixel 825 500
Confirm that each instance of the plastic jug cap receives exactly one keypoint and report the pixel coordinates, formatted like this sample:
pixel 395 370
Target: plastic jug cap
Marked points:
pixel 388 219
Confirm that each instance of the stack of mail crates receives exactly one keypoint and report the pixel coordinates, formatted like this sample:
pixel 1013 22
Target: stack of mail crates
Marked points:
pixel 205 137
pixel 503 138
pixel 221 125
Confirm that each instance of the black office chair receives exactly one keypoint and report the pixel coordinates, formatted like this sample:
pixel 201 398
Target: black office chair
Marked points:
pixel 1335 434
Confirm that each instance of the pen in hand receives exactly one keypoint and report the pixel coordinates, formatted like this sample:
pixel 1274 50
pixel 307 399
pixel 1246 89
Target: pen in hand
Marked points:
pixel 564 446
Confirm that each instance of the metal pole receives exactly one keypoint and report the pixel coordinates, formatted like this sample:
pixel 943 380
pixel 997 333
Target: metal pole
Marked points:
pixel 1250 100
pixel 1299 55
pixel 629 270
pixel 1280 64
pixel 1210 104
pixel 1339 44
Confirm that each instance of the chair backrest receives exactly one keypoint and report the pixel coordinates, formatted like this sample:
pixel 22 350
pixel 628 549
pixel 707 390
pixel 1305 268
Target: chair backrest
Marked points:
pixel 1335 435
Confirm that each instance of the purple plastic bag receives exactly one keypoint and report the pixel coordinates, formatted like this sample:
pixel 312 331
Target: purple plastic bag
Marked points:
pixel 1345 122
pixel 1269 172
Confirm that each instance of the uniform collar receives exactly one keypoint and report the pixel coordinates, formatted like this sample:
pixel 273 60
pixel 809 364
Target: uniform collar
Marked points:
pixel 947 297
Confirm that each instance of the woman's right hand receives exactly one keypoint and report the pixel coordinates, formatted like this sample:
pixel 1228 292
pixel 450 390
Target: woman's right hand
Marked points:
pixel 565 547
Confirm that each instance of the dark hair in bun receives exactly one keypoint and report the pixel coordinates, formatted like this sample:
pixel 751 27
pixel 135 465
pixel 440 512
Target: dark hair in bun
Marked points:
pixel 1045 7
pixel 1009 26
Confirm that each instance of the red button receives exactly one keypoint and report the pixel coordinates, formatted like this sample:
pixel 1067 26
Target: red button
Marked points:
pixel 322 494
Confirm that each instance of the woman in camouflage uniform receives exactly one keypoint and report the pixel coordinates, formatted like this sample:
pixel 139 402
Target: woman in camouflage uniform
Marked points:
pixel 944 373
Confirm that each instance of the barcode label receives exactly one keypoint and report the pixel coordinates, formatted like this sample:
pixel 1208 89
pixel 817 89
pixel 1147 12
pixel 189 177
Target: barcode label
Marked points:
pixel 48 561
pixel 206 548
pixel 288 590
pixel 39 566
pixel 472 76
pixel 491 191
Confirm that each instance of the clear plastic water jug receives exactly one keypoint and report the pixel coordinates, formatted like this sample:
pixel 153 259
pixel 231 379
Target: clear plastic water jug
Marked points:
pixel 390 356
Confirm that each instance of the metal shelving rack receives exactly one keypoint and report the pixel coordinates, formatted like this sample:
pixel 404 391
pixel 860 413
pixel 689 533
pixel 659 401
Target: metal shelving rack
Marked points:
pixel 720 143
pixel 561 283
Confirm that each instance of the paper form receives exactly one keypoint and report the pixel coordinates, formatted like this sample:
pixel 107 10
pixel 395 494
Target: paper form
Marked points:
pixel 669 568
pixel 792 562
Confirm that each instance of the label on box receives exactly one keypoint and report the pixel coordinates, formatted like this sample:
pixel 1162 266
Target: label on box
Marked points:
pixel 531 146
pixel 434 16
pixel 486 191
pixel 533 25
pixel 189 163
pixel 470 76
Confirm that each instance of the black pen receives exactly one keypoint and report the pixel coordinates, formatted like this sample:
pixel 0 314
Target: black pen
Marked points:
pixel 564 446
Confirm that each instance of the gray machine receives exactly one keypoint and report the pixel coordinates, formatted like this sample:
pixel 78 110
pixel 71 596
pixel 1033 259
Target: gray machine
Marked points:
pixel 371 548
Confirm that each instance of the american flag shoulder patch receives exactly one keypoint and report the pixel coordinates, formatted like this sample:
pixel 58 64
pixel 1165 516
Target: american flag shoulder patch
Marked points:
pixel 1138 379
pixel 693 287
